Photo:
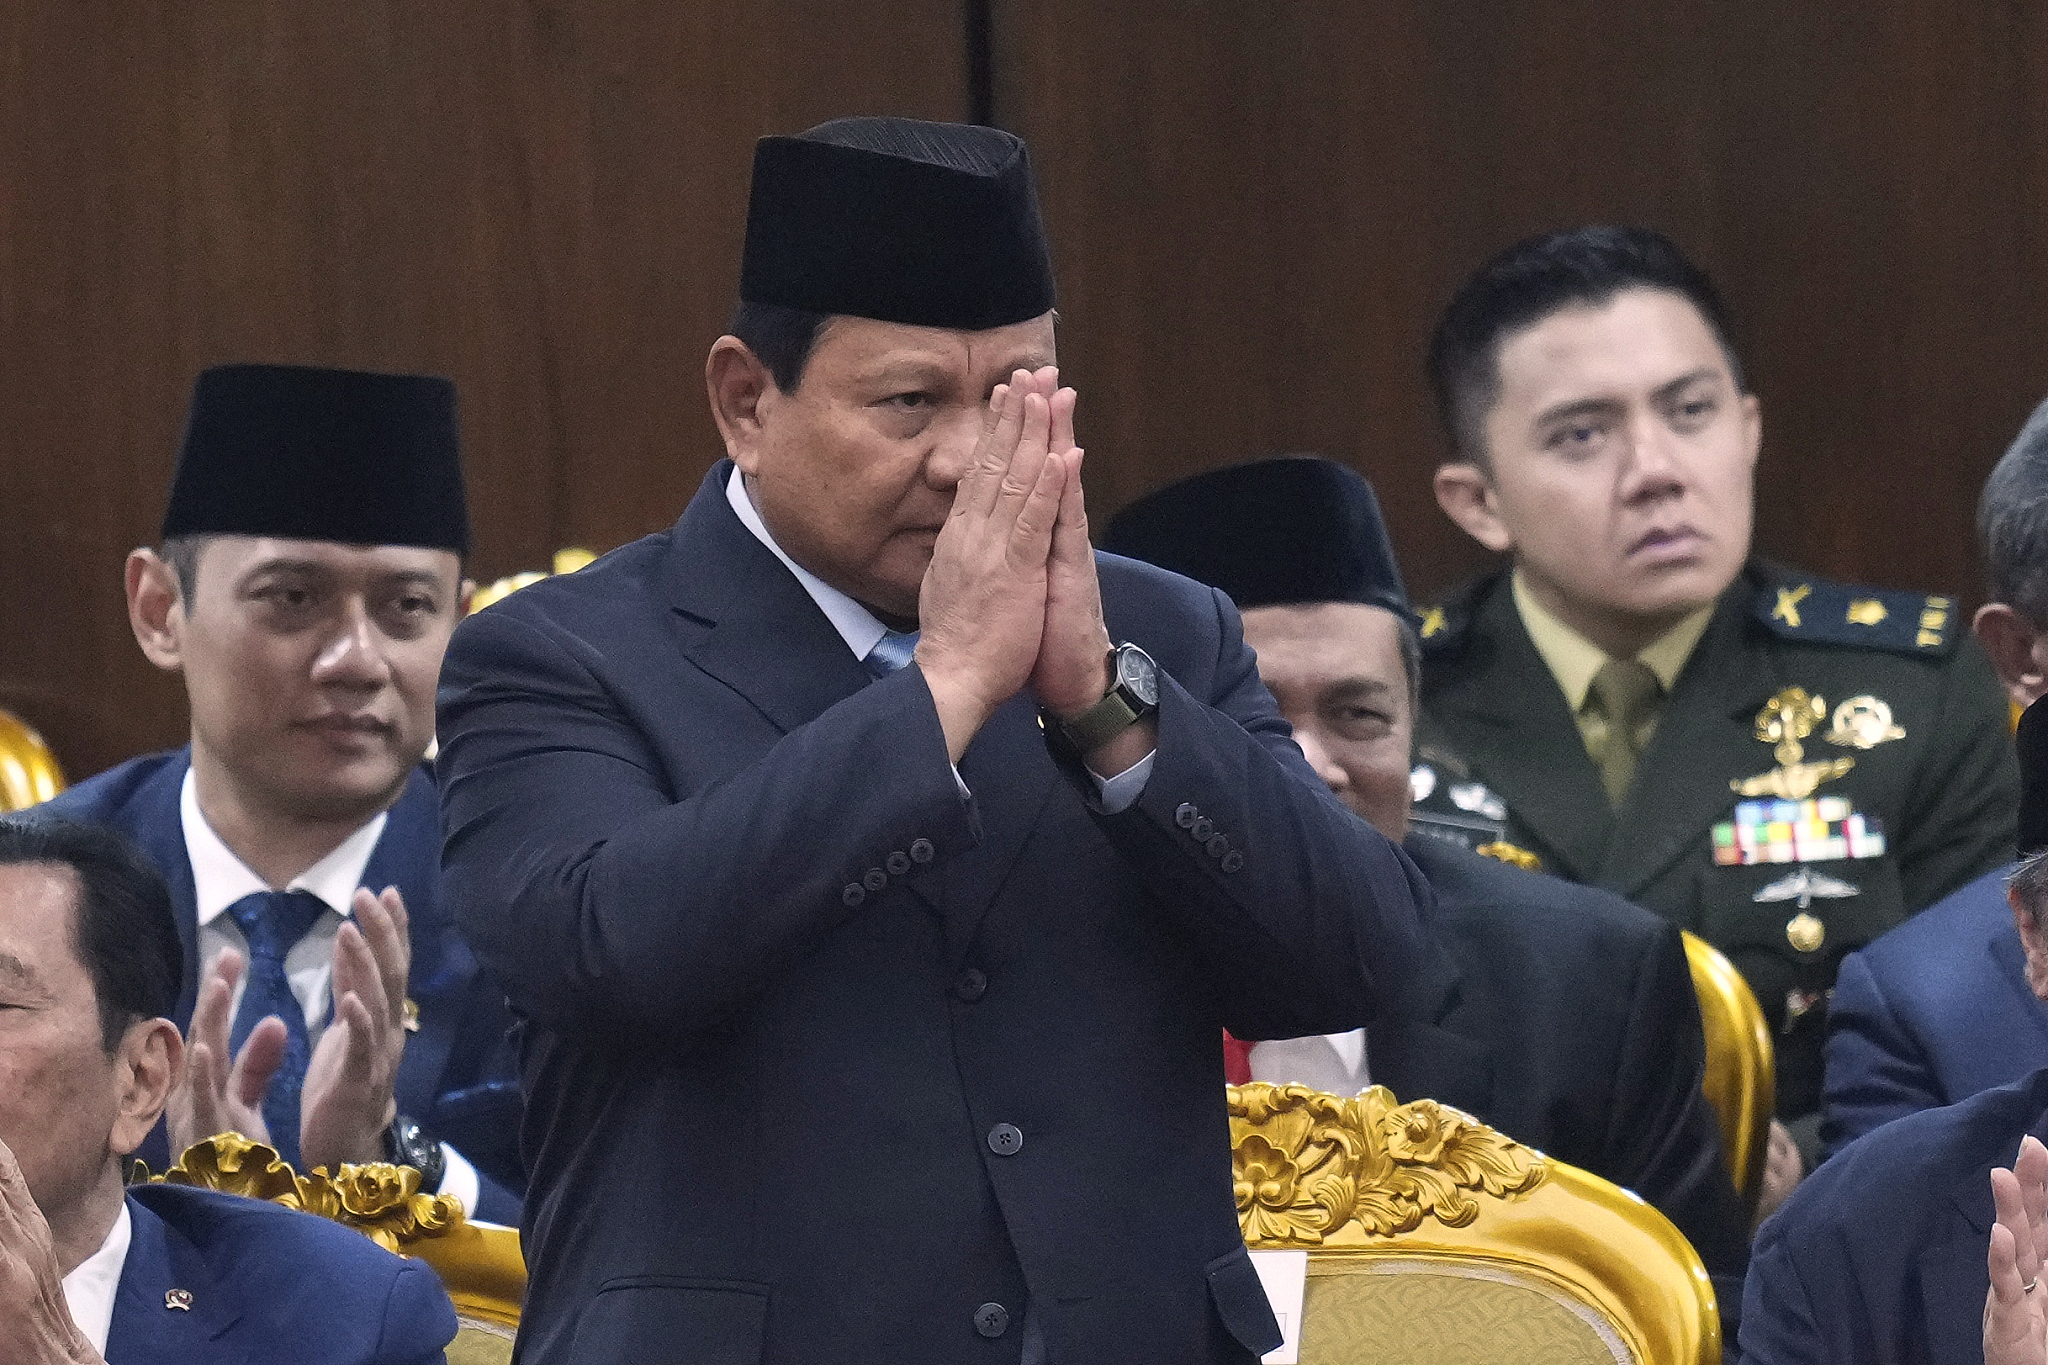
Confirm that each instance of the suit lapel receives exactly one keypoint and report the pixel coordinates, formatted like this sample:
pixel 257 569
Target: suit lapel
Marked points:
pixel 1010 775
pixel 1508 719
pixel 407 856
pixel 148 1331
pixel 1708 728
pixel 762 634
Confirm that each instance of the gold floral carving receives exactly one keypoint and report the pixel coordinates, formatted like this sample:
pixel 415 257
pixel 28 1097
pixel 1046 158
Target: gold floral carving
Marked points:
pixel 381 1201
pixel 1305 1163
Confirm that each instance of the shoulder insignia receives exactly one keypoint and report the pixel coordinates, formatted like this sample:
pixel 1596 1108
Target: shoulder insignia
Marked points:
pixel 1432 621
pixel 1442 624
pixel 1815 611
pixel 1513 856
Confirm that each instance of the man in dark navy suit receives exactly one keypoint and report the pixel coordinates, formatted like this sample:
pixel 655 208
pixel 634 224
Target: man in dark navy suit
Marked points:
pixel 1558 1013
pixel 90 962
pixel 873 863
pixel 1940 1007
pixel 1880 1257
pixel 309 575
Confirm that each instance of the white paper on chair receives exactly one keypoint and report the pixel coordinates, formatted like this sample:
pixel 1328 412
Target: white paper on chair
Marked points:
pixel 1284 1275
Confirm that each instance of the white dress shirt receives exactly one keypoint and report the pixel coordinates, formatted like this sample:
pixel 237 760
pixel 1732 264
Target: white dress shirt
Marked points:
pixel 1335 1062
pixel 862 632
pixel 90 1288
pixel 219 879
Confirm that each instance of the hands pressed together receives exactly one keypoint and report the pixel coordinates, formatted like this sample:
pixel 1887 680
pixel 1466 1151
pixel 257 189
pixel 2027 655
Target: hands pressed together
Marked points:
pixel 1011 599
pixel 349 1096
pixel 35 1320
pixel 2016 1307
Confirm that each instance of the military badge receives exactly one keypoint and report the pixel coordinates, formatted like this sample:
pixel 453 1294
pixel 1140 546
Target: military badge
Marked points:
pixel 1804 887
pixel 1786 719
pixel 1863 723
pixel 1465 813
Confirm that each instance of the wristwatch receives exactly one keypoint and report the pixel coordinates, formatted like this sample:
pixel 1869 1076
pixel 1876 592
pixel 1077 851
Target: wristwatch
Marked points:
pixel 408 1144
pixel 1133 695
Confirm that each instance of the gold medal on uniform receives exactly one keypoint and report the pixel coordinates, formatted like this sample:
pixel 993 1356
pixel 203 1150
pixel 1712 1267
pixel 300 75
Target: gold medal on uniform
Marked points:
pixel 1863 723
pixel 1790 716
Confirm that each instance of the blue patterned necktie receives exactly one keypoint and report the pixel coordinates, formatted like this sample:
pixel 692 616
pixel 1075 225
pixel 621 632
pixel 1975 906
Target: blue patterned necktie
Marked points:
pixel 891 652
pixel 272 921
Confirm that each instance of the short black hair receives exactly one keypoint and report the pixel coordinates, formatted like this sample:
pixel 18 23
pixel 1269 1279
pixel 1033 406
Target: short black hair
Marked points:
pixel 123 928
pixel 2012 522
pixel 182 554
pixel 1533 279
pixel 781 338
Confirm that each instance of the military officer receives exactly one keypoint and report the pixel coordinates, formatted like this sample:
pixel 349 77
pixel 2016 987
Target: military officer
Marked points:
pixel 1787 766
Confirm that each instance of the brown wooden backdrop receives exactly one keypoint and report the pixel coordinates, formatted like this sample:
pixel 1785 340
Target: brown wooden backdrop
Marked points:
pixel 1256 211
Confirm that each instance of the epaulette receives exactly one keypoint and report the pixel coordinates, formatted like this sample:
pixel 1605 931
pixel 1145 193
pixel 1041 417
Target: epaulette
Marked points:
pixel 1444 622
pixel 1815 611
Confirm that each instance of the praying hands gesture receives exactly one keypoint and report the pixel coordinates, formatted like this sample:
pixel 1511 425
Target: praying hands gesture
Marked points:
pixel 2015 1317
pixel 1011 598
pixel 349 1096
pixel 35 1321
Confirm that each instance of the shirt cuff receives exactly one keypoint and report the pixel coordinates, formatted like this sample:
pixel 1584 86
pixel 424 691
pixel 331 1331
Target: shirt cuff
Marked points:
pixel 1114 795
pixel 460 1179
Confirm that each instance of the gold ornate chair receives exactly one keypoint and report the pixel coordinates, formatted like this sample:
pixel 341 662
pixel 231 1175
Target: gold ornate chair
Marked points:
pixel 1434 1240
pixel 566 561
pixel 1741 1080
pixel 29 774
pixel 479 1263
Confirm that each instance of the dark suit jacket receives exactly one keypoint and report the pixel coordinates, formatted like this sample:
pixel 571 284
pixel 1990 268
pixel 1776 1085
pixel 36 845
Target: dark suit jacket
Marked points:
pixel 457 1078
pixel 267 1284
pixel 1933 1012
pixel 1878 1258
pixel 1945 792
pixel 820 1057
pixel 1565 1017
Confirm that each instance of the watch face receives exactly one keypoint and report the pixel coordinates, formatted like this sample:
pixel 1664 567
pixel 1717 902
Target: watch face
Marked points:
pixel 1136 673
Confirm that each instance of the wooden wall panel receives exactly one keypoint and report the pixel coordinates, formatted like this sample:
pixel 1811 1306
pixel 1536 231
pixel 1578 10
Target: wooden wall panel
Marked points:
pixel 1259 209
pixel 543 201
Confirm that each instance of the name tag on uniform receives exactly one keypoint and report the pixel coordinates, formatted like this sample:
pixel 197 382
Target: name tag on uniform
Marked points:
pixel 1285 1277
pixel 1823 829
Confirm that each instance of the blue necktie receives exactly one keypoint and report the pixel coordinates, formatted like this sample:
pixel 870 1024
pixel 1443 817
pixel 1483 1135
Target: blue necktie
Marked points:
pixel 272 921
pixel 891 652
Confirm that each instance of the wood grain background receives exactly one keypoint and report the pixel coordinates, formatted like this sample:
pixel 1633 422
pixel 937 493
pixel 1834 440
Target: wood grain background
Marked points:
pixel 1256 211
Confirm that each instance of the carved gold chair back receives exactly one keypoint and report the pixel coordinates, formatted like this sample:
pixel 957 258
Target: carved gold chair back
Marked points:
pixel 479 1263
pixel 1741 1081
pixel 566 561
pixel 1434 1240
pixel 29 774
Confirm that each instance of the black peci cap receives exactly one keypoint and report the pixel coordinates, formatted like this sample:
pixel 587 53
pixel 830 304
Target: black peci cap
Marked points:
pixel 930 224
pixel 1282 532
pixel 317 454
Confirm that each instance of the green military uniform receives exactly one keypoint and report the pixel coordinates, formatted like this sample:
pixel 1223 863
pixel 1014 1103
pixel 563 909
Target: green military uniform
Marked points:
pixel 1865 730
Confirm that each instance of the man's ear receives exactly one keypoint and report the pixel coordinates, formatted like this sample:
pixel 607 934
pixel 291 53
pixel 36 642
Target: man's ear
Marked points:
pixel 2013 642
pixel 149 1064
pixel 1466 494
pixel 738 385
pixel 156 609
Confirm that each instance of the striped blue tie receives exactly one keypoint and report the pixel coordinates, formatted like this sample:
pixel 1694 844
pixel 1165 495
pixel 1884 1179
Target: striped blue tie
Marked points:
pixel 891 652
pixel 272 921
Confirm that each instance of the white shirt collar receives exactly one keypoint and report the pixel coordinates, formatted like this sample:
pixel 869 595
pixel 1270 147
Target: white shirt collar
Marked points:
pixel 219 878
pixel 90 1288
pixel 855 623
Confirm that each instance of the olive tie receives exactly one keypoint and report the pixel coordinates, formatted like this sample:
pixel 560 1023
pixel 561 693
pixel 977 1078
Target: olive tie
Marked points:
pixel 1626 695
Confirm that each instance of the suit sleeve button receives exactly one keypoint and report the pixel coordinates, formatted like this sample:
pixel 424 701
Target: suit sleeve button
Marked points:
pixel 898 863
pixel 970 985
pixel 991 1319
pixel 921 851
pixel 1218 845
pixel 1005 1139
pixel 1186 815
pixel 853 894
pixel 1232 861
pixel 1202 829
pixel 875 880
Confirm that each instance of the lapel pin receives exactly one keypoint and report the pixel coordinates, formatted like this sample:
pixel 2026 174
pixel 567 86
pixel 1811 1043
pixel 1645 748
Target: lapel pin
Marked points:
pixel 180 1299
